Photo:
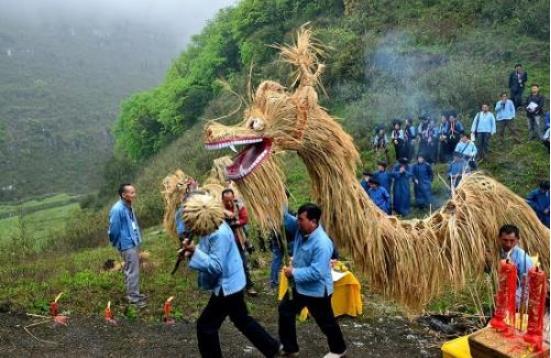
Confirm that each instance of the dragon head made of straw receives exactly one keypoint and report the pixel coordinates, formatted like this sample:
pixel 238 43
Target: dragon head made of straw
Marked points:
pixel 276 119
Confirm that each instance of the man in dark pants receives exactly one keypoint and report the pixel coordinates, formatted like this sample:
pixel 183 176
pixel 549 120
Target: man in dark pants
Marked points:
pixel 220 271
pixel 484 126
pixel 237 217
pixel 517 80
pixel 313 285
pixel 534 112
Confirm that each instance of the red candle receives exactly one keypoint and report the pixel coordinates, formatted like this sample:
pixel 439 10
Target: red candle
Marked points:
pixel 536 304
pixel 505 297
pixel 167 307
pixel 53 306
pixel 108 313
pixel 53 309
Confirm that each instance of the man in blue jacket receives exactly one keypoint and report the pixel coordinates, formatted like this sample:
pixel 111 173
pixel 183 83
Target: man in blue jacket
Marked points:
pixel 124 234
pixel 365 180
pixel 313 285
pixel 422 182
pixel 401 174
pixel 538 199
pixel 379 195
pixel 509 236
pixel 505 115
pixel 221 272
pixel 484 126
pixel 382 176
pixel 456 169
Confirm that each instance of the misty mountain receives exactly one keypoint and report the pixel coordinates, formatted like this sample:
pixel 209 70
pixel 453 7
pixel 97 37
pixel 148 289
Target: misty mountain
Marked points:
pixel 63 71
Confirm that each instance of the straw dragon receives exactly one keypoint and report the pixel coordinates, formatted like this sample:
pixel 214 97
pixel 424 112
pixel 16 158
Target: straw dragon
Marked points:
pixel 410 261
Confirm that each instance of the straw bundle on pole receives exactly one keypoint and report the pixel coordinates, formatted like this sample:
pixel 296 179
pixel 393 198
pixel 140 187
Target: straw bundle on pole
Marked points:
pixel 174 189
pixel 203 214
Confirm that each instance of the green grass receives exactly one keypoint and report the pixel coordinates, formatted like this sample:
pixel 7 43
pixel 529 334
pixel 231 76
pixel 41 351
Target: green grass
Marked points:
pixel 36 203
pixel 30 285
pixel 37 227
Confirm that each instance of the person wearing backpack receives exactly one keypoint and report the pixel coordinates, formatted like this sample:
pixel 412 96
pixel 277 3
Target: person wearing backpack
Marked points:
pixel 483 128
pixel 467 149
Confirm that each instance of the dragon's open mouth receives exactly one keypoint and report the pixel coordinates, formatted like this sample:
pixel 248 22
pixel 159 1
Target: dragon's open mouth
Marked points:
pixel 256 151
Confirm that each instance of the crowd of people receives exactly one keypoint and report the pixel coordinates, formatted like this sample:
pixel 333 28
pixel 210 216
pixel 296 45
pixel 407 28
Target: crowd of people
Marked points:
pixel 448 141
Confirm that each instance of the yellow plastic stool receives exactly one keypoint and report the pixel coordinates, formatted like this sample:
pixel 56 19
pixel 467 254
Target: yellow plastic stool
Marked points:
pixel 456 348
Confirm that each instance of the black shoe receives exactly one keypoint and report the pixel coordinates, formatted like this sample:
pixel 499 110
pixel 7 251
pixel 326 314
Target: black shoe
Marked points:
pixel 252 292
pixel 139 304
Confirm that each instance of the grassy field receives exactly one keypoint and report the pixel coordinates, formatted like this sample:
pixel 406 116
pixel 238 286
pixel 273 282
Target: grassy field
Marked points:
pixel 36 220
pixel 30 286
pixel 36 203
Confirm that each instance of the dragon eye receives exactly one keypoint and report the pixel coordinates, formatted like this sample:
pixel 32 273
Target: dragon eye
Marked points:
pixel 257 124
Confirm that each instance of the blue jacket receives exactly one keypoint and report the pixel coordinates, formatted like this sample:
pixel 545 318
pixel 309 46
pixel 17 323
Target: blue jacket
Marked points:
pixel 218 261
pixel 458 167
pixel 410 133
pixel 381 198
pixel 311 260
pixel 442 129
pixel 505 110
pixel 468 150
pixel 539 201
pixel 397 134
pixel 455 129
pixel 426 131
pixel 364 185
pixel 422 172
pixel 179 220
pixel 124 233
pixel 401 190
pixel 484 123
pixel 383 178
pixel 523 262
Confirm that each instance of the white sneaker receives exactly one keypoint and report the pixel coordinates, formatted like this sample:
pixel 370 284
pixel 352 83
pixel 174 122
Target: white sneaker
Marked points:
pixel 335 355
pixel 282 352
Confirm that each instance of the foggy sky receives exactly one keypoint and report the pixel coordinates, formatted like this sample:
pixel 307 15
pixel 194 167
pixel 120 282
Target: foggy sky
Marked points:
pixel 178 18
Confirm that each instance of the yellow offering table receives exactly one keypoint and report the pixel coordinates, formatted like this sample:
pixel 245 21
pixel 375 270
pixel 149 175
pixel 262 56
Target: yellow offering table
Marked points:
pixel 346 299
pixel 456 348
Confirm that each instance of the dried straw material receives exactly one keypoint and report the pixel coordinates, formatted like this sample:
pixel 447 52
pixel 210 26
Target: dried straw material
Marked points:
pixel 304 55
pixel 203 213
pixel 409 261
pixel 174 187
pixel 217 174
pixel 269 207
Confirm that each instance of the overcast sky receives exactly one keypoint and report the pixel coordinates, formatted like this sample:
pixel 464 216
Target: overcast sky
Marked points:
pixel 182 18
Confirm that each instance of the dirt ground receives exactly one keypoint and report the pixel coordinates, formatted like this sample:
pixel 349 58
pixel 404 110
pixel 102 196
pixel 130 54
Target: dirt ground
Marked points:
pixel 389 336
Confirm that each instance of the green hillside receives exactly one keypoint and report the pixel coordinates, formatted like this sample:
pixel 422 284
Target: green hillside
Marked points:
pixel 60 89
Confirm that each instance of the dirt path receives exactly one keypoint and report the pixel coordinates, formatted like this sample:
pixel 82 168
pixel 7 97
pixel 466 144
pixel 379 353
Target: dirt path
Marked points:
pixel 87 337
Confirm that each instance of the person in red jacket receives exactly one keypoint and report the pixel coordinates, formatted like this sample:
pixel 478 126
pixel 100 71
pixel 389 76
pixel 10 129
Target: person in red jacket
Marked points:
pixel 237 217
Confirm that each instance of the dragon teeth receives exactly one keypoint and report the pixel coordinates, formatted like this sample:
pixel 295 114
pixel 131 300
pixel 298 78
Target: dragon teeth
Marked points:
pixel 231 144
